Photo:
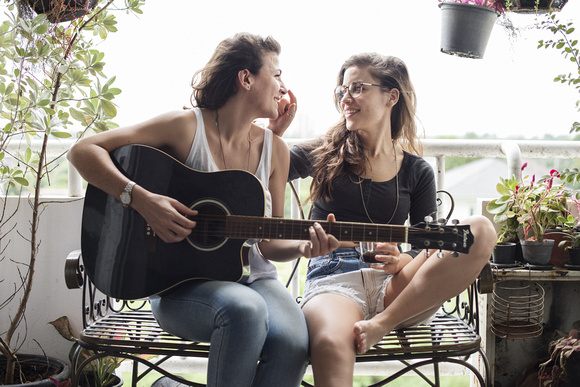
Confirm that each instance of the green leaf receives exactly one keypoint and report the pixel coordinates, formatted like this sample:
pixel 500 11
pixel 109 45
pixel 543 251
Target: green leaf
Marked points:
pixel 22 181
pixel 60 134
pixel 108 108
pixel 41 29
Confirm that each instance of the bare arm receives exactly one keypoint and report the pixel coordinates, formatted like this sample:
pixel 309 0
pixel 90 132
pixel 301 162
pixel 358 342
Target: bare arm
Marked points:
pixel 320 243
pixel 90 156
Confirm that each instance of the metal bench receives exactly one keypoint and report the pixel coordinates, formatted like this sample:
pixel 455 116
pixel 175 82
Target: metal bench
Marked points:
pixel 127 329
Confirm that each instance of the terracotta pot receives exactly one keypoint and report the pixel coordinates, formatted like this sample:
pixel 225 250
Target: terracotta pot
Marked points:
pixel 559 254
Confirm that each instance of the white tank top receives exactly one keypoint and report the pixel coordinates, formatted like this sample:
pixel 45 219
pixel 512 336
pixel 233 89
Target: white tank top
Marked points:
pixel 200 158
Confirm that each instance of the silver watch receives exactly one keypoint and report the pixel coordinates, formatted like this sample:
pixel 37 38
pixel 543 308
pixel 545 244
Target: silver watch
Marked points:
pixel 126 194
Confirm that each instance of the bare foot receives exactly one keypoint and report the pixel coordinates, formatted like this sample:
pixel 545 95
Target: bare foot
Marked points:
pixel 366 334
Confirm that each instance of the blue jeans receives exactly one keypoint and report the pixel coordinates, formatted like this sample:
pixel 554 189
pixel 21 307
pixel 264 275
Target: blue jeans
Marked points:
pixel 257 332
pixel 341 260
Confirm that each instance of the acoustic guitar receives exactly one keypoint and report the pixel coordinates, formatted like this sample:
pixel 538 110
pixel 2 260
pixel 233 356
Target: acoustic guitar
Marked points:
pixel 126 260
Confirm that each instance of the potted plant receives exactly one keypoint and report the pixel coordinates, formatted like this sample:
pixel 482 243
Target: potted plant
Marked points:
pixel 101 371
pixel 533 6
pixel 508 243
pixel 58 11
pixel 570 229
pixel 536 206
pixel 466 26
pixel 52 86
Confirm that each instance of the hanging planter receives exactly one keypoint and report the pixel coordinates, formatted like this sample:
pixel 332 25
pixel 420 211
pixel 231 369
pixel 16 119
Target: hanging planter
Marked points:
pixel 62 10
pixel 466 28
pixel 534 6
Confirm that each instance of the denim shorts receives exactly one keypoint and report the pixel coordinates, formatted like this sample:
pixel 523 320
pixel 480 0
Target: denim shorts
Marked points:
pixel 343 272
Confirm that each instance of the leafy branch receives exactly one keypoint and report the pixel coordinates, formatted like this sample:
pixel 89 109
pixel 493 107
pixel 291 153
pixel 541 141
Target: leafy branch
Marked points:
pixel 567 45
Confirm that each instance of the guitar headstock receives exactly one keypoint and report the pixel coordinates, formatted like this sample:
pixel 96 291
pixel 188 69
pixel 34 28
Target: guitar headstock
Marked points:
pixel 457 238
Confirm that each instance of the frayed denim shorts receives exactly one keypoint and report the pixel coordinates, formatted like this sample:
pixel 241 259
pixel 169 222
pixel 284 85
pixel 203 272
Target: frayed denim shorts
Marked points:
pixel 343 272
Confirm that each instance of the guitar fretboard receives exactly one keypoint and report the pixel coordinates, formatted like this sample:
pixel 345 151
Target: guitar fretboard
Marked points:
pixel 247 227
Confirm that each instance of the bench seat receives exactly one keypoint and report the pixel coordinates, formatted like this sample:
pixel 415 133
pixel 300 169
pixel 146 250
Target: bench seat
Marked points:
pixel 127 329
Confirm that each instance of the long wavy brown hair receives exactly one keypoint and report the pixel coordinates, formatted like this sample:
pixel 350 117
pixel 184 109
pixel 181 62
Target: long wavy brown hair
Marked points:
pixel 340 151
pixel 214 84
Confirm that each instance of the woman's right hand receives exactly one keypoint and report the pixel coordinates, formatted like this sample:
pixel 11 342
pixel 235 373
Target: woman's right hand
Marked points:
pixel 167 217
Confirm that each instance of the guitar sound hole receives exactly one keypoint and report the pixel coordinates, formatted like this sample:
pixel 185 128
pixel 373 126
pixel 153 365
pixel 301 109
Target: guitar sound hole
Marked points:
pixel 209 232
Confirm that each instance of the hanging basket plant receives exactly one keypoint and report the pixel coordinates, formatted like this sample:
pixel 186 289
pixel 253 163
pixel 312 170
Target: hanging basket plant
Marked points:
pixel 466 26
pixel 61 10
pixel 534 6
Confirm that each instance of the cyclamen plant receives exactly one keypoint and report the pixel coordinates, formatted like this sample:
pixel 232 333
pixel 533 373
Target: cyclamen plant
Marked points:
pixel 493 4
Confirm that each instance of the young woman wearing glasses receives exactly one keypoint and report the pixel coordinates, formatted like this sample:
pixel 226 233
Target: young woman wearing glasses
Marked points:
pixel 367 168
pixel 256 330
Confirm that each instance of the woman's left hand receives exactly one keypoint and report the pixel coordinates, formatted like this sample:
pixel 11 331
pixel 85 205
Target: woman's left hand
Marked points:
pixel 391 259
pixel 286 112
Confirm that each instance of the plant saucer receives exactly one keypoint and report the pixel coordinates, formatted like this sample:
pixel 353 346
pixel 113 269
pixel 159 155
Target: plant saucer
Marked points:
pixel 504 265
pixel 538 267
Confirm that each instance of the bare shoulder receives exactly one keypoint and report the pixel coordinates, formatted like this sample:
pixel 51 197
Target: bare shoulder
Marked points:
pixel 280 155
pixel 279 145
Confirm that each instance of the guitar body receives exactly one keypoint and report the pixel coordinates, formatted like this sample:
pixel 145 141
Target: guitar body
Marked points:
pixel 122 256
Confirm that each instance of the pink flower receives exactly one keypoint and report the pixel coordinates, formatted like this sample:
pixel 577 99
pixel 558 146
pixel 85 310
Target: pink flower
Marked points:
pixel 524 166
pixel 554 172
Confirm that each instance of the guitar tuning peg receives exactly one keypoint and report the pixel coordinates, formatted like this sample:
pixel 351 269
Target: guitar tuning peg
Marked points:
pixel 440 254
pixel 455 254
pixel 428 219
pixel 455 222
pixel 442 221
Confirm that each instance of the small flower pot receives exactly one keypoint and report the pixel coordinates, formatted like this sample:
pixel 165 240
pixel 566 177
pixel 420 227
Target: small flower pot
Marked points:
pixel 504 253
pixel 537 253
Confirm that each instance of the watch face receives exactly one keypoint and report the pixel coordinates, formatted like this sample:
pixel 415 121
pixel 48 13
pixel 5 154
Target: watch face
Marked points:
pixel 125 198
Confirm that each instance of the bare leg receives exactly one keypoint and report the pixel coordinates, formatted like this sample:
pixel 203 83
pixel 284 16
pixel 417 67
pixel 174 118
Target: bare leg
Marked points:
pixel 425 284
pixel 330 318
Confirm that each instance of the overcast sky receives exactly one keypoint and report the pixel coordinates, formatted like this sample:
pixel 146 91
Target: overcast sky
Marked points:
pixel 509 92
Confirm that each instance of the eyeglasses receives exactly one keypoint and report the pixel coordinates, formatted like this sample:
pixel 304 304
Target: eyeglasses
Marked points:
pixel 355 89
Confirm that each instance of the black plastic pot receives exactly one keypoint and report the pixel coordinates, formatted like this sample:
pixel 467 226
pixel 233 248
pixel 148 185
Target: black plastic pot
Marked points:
pixel 465 29
pixel 55 368
pixel 530 6
pixel 504 253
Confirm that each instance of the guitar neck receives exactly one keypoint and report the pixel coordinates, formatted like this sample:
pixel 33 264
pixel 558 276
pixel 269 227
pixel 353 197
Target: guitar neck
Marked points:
pixel 248 227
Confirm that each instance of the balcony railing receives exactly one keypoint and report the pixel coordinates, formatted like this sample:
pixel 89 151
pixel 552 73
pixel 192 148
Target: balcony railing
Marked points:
pixel 512 150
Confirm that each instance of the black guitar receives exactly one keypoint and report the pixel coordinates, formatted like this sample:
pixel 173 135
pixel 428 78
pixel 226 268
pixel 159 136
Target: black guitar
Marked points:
pixel 125 260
